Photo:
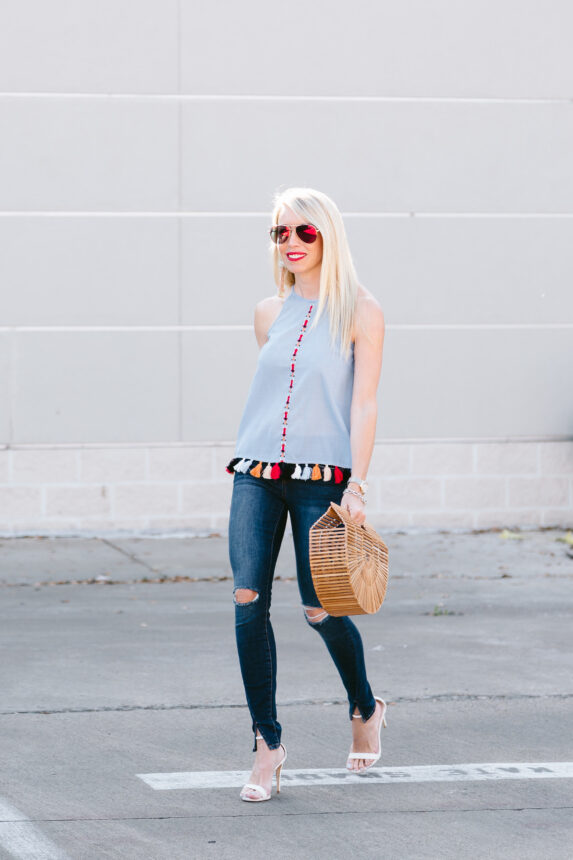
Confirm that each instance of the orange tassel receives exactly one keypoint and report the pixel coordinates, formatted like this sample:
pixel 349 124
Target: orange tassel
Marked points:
pixel 256 472
pixel 316 476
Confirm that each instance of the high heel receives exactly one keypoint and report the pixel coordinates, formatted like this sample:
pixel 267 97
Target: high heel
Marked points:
pixel 372 756
pixel 259 788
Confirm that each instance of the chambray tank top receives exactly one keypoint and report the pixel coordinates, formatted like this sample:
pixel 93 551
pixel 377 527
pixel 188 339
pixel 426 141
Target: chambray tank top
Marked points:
pixel 296 420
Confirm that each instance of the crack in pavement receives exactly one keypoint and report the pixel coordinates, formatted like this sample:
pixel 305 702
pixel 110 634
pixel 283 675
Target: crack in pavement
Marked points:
pixel 385 811
pixel 161 578
pixel 129 555
pixel 104 580
pixel 398 700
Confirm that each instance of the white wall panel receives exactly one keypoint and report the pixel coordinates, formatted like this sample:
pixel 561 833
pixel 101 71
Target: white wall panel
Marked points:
pixel 89 271
pixel 105 387
pixel 5 379
pixel 82 154
pixel 89 46
pixel 422 270
pixel 442 384
pixel 467 270
pixel 481 125
pixel 468 384
pixel 380 157
pixel 494 48
pixel 226 269
pixel 217 368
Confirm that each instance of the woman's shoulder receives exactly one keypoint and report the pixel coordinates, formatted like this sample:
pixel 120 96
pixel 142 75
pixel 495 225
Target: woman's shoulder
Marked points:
pixel 368 312
pixel 270 303
pixel 365 298
pixel 266 312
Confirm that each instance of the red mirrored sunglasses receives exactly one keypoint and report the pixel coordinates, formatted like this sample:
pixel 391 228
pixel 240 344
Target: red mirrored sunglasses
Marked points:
pixel 306 233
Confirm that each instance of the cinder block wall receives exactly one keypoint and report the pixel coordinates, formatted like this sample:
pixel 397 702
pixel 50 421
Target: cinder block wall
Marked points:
pixel 141 145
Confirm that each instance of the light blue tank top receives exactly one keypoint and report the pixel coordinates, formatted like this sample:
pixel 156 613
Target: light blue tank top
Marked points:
pixel 298 405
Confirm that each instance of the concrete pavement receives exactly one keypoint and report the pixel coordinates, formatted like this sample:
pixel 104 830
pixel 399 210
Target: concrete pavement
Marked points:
pixel 119 661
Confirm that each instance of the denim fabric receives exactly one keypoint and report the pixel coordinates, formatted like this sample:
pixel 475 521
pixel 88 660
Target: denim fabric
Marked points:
pixel 257 521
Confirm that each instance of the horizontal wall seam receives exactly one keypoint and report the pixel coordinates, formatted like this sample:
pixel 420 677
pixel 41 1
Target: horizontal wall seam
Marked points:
pixel 401 478
pixel 248 327
pixel 92 213
pixel 245 97
pixel 206 443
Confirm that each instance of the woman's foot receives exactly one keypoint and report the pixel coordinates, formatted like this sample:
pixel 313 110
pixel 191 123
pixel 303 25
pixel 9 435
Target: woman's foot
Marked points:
pixel 366 737
pixel 266 762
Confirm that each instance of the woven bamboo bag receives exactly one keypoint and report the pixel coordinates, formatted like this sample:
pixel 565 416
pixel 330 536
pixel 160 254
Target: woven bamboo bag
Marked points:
pixel 348 562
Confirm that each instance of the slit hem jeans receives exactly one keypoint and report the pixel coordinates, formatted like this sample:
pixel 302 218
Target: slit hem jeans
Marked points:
pixel 257 521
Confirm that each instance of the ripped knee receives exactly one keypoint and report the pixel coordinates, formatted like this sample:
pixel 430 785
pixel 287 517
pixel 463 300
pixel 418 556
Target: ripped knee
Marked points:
pixel 245 596
pixel 315 614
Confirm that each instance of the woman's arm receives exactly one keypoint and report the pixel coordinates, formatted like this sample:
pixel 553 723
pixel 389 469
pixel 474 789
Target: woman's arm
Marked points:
pixel 368 346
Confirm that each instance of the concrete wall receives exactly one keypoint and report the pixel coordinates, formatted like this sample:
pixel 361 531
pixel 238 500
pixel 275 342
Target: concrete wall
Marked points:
pixel 141 144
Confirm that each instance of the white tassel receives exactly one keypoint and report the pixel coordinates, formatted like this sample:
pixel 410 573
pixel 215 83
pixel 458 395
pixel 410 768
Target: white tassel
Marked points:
pixel 297 473
pixel 327 473
pixel 243 466
pixel 267 471
pixel 307 473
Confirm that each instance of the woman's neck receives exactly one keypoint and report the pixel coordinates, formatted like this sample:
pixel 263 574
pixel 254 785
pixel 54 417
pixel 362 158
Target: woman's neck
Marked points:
pixel 307 288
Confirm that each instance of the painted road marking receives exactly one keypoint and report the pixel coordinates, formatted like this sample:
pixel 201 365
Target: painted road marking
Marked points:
pixel 416 773
pixel 22 839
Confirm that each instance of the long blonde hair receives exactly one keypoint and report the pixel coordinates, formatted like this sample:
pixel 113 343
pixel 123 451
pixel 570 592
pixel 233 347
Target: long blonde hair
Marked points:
pixel 338 278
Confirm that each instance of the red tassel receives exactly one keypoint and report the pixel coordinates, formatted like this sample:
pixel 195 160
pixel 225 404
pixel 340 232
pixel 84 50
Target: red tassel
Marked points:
pixel 276 471
pixel 337 475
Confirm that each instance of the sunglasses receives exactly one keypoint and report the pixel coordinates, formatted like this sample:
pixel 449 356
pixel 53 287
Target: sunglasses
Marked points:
pixel 306 233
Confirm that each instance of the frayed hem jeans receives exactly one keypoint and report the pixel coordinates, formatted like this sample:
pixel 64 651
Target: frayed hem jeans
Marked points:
pixel 257 520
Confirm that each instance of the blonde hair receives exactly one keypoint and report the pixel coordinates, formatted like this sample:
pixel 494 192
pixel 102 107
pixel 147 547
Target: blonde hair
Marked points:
pixel 338 278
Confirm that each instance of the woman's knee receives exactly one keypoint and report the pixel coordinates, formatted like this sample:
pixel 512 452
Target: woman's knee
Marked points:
pixel 315 614
pixel 244 596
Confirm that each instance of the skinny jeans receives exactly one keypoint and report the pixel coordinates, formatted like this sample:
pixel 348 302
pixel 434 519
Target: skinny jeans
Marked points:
pixel 257 520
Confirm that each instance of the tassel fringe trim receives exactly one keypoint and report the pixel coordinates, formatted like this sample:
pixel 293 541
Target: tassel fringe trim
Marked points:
pixel 295 471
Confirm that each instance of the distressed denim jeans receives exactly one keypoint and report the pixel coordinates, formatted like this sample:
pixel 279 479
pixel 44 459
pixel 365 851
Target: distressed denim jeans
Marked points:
pixel 258 515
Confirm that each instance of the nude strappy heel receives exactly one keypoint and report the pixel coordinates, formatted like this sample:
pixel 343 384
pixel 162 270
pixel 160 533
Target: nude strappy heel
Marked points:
pixel 259 788
pixel 367 755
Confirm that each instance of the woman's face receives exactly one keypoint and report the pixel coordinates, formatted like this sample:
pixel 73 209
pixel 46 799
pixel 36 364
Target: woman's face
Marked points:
pixel 291 250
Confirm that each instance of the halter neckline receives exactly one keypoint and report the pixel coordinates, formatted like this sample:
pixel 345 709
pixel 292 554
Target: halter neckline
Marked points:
pixel 303 298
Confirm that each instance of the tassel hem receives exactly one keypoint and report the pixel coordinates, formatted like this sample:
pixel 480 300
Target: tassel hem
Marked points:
pixel 295 471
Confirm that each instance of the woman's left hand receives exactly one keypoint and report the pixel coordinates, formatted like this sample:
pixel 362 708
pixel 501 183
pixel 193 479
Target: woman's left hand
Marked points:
pixel 355 507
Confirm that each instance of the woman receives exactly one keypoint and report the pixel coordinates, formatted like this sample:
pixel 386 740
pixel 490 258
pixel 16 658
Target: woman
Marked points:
pixel 305 439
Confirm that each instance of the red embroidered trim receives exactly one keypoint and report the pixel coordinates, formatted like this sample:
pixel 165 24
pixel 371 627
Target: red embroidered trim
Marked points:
pixel 292 371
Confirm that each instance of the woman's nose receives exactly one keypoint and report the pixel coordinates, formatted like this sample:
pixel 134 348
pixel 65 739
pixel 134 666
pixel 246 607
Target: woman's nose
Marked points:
pixel 292 239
